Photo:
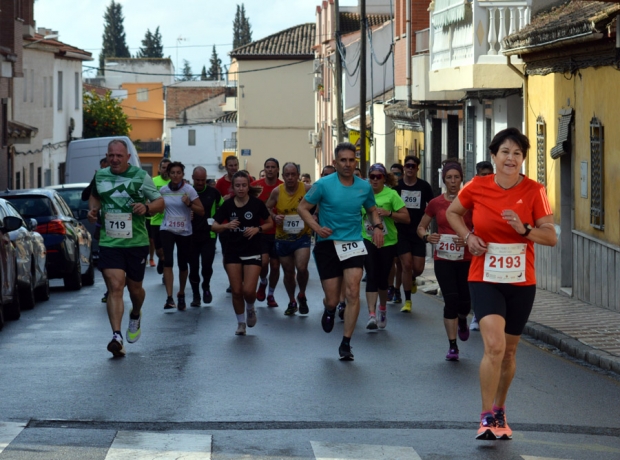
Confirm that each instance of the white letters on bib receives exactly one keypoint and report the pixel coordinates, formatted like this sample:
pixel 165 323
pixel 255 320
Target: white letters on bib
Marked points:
pixel 505 263
pixel 176 224
pixel 348 249
pixel 447 249
pixel 293 224
pixel 412 198
pixel 118 224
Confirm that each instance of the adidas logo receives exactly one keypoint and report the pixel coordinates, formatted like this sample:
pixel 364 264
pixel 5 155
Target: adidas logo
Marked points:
pixel 520 201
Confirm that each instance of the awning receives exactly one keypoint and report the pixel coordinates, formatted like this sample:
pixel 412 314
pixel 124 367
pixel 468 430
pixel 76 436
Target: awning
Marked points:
pixel 563 144
pixel 448 12
pixel 19 130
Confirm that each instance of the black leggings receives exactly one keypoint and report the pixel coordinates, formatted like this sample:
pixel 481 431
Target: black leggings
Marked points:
pixel 203 251
pixel 168 240
pixel 452 279
pixel 378 264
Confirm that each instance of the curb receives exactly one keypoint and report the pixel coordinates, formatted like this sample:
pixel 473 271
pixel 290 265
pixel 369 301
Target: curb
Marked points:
pixel 573 347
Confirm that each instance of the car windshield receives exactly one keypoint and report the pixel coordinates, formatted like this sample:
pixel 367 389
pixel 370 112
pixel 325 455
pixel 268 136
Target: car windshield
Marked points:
pixel 73 198
pixel 32 206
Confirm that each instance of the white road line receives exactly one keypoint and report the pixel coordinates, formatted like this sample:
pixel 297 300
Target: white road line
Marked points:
pixel 337 451
pixel 8 432
pixel 55 312
pixel 529 457
pixel 140 445
pixel 46 318
pixel 35 326
pixel 25 335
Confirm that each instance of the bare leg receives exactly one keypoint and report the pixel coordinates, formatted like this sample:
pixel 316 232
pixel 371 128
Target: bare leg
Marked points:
pixel 492 330
pixel 352 278
pixel 115 282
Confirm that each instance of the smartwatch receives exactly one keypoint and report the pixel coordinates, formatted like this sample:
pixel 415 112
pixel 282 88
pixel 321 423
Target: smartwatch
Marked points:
pixel 260 229
pixel 528 229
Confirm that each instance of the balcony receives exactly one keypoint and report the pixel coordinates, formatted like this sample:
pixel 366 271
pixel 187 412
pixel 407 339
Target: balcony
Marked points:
pixel 230 145
pixel 148 147
pixel 466 43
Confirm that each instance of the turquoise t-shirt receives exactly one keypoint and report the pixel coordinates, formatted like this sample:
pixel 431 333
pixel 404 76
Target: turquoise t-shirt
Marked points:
pixel 390 200
pixel 339 206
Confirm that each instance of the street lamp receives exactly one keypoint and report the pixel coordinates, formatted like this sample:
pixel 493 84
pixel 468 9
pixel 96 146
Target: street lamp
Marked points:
pixel 46 37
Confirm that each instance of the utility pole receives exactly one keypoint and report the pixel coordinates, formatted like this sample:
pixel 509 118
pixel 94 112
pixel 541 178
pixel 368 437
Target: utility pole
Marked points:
pixel 363 166
pixel 338 71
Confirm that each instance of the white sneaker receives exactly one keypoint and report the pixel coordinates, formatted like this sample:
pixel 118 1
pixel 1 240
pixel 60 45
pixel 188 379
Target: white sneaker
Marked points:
pixel 474 326
pixel 372 323
pixel 240 329
pixel 251 317
pixel 116 346
pixel 382 318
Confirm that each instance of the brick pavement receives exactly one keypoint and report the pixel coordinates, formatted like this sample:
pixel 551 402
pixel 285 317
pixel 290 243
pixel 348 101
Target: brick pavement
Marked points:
pixel 579 329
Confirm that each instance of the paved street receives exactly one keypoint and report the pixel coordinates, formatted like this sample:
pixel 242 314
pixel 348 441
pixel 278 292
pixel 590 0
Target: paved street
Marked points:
pixel 191 389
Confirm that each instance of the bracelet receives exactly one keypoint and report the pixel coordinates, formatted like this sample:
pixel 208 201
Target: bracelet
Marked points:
pixel 467 236
pixel 390 214
pixel 147 209
pixel 425 238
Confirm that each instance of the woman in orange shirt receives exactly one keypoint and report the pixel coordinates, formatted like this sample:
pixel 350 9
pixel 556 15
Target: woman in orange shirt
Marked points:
pixel 510 214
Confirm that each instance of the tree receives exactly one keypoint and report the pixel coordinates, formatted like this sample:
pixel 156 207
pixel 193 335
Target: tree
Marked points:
pixel 242 30
pixel 151 45
pixel 103 116
pixel 216 66
pixel 114 44
pixel 187 71
pixel 203 74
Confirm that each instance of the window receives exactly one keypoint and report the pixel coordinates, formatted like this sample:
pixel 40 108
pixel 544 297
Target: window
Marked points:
pixel 59 93
pixel 31 85
pixel 39 178
pixel 31 175
pixel 18 181
pixel 541 150
pixel 25 85
pixel 597 196
pixel 77 91
pixel 50 93
pixel 44 91
pixel 142 94
pixel 191 137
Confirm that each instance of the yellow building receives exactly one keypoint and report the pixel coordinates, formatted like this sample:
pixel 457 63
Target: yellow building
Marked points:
pixel 572 90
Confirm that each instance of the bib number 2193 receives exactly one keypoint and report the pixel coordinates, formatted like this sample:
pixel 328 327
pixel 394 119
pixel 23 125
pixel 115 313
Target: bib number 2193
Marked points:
pixel 348 249
pixel 505 263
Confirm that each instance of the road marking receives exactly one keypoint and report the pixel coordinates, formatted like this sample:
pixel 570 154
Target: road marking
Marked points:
pixel 139 445
pixel 337 451
pixel 24 335
pixel 46 318
pixel 35 326
pixel 56 312
pixel 8 432
pixel 529 457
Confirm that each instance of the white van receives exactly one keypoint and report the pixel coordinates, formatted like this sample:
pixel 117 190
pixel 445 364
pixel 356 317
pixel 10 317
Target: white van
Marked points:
pixel 83 157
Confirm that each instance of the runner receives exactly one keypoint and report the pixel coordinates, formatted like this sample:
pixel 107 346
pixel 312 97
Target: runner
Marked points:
pixel 121 193
pixel 340 251
pixel 224 186
pixel 157 219
pixel 241 217
pixel 203 239
pixel 416 193
pixel 396 272
pixel 306 179
pixel 292 236
pixel 176 230
pixel 451 258
pixel 510 214
pixel 270 261
pixel 390 208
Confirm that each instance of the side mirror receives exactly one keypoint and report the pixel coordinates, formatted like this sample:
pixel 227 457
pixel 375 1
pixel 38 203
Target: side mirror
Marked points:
pixel 11 223
pixel 32 224
pixel 83 214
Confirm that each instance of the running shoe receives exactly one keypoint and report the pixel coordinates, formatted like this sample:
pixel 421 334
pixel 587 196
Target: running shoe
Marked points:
pixel 169 305
pixel 414 287
pixel 271 301
pixel 463 329
pixel 327 320
pixel 474 326
pixel 341 307
pixel 397 298
pixel 207 297
pixel 228 289
pixel 134 331
pixel 260 294
pixel 151 263
pixel 453 354
pixel 181 302
pixel 160 266
pixel 382 319
pixel 104 299
pixel 486 432
pixel 390 294
pixel 116 346
pixel 250 316
pixel 292 309
pixel 372 323
pixel 240 329
pixel 407 307
pixel 345 352
pixel 195 300
pixel 303 305
pixel 502 430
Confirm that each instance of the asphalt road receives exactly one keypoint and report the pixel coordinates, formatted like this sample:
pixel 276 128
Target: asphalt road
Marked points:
pixel 279 392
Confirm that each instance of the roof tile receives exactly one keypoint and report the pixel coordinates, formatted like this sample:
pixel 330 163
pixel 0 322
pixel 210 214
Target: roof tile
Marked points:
pixel 293 42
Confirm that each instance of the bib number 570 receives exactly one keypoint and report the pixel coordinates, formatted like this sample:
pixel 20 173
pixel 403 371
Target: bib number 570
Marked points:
pixel 349 246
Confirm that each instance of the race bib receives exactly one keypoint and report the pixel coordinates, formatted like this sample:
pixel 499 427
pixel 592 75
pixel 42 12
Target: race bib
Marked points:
pixel 505 263
pixel 447 249
pixel 118 224
pixel 293 224
pixel 369 226
pixel 176 224
pixel 412 198
pixel 348 249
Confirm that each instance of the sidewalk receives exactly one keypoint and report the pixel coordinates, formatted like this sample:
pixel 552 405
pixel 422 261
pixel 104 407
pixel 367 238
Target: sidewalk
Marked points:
pixel 579 329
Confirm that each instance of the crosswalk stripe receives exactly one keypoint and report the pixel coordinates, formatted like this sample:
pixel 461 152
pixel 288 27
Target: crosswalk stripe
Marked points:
pixel 529 457
pixel 337 451
pixel 8 432
pixel 141 445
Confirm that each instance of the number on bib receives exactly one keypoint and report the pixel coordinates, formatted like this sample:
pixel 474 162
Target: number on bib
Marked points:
pixel 505 263
pixel 175 224
pixel 447 249
pixel 293 224
pixel 348 249
pixel 412 198
pixel 118 225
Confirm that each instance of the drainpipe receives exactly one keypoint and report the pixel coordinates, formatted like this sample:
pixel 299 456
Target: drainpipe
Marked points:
pixel 525 93
pixel 408 50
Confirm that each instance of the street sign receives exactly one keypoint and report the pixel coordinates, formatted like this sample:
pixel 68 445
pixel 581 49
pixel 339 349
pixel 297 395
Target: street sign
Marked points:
pixel 246 152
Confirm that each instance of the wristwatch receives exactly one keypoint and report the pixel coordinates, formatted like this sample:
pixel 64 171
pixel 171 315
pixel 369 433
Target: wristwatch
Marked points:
pixel 528 229
pixel 260 229
pixel 146 213
pixel 379 226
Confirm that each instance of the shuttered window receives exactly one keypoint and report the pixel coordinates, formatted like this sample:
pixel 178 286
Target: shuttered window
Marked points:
pixel 597 203
pixel 541 150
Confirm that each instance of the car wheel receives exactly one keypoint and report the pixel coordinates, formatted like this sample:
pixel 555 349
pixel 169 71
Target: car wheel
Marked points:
pixel 73 281
pixel 88 278
pixel 13 311
pixel 43 292
pixel 27 295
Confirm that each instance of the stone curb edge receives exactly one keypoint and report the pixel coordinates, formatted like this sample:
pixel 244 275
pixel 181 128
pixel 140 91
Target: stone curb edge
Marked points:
pixel 573 347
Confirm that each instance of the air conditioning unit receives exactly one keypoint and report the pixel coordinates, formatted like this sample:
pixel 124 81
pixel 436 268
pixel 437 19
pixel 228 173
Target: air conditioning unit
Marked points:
pixel 310 135
pixel 316 140
pixel 318 83
pixel 317 66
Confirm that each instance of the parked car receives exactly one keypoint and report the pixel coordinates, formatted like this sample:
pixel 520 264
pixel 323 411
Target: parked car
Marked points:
pixel 72 194
pixel 9 296
pixel 31 258
pixel 67 241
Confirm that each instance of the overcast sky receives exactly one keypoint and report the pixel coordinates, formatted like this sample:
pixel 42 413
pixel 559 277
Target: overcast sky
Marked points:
pixel 189 28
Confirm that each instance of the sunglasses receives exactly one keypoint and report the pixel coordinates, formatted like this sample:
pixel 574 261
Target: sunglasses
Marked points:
pixel 375 176
pixel 411 165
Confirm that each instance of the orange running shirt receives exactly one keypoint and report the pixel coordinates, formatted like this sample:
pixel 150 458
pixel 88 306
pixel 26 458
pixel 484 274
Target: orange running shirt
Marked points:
pixel 265 193
pixel 487 200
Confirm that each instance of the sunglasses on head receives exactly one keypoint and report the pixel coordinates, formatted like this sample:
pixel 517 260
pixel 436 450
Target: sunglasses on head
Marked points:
pixel 375 176
pixel 411 165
